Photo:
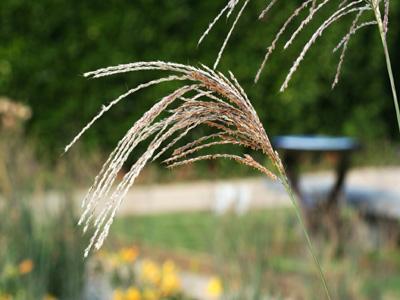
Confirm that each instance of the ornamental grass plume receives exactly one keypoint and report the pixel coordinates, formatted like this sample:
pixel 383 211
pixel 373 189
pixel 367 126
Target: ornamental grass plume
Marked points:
pixel 364 13
pixel 205 98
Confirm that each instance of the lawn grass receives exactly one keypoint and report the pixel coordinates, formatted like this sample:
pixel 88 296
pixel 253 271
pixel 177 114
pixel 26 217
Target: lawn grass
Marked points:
pixel 194 231
pixel 175 231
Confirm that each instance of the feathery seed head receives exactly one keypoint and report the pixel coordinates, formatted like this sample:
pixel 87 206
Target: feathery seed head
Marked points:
pixel 205 98
pixel 344 8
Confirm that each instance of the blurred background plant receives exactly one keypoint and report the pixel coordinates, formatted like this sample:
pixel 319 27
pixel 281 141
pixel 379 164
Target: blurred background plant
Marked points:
pixel 39 257
pixel 38 237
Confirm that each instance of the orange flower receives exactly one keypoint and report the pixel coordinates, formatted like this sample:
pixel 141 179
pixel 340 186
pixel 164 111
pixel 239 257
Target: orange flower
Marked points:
pixel 129 255
pixel 25 267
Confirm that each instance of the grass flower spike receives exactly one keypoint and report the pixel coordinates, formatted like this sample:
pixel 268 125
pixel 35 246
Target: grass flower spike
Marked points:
pixel 205 98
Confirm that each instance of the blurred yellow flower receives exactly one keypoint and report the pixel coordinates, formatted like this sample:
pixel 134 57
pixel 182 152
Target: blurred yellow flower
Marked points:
pixel 49 297
pixel 168 267
pixel 118 295
pixel 214 287
pixel 5 297
pixel 25 267
pixel 129 255
pixel 170 283
pixel 151 272
pixel 150 294
pixel 132 294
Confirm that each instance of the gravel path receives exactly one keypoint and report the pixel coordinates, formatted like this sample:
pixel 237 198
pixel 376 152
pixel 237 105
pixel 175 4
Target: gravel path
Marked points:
pixel 259 192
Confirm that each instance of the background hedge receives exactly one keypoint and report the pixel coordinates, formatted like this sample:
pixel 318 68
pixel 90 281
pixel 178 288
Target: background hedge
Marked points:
pixel 46 45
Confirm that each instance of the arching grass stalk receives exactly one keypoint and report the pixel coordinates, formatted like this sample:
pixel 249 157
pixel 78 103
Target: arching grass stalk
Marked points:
pixel 295 202
pixel 382 25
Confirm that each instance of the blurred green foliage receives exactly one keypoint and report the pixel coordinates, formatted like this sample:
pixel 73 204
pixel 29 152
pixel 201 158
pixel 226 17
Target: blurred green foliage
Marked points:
pixel 41 250
pixel 40 257
pixel 46 45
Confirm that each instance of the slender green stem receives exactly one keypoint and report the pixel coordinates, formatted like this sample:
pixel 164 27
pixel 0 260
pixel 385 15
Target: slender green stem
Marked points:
pixel 382 33
pixel 300 217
